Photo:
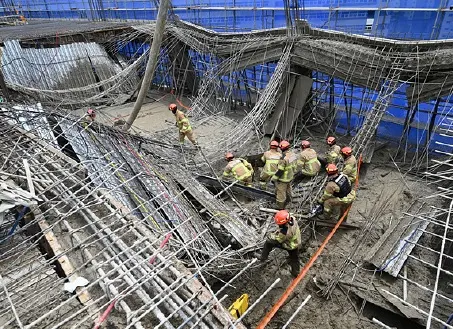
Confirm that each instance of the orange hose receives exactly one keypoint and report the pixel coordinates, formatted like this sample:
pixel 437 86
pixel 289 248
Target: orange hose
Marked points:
pixel 265 321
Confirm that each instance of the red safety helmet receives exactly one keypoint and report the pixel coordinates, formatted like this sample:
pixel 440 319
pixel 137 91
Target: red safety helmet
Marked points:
pixel 331 140
pixel 172 107
pixel 229 156
pixel 347 151
pixel 281 217
pixel 331 169
pixel 305 144
pixel 284 145
pixel 274 145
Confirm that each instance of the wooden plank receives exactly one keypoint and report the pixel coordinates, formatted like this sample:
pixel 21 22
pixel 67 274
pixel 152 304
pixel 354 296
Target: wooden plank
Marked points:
pixel 31 187
pixel 63 261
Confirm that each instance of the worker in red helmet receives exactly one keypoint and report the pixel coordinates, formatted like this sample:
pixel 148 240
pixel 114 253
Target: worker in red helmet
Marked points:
pixel 350 164
pixel 240 169
pixel 183 124
pixel 287 237
pixel 270 159
pixel 337 194
pixel 284 175
pixel 89 118
pixel 332 154
pixel 91 114
pixel 308 164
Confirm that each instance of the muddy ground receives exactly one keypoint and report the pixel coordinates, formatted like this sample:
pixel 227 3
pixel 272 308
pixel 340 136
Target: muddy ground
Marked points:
pixel 384 194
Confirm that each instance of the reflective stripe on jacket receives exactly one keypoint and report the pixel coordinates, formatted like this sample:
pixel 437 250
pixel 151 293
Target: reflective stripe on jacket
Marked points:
pixel 182 122
pixel 287 165
pixel 308 162
pixel 271 159
pixel 350 168
pixel 240 169
pixel 292 239
pixel 333 153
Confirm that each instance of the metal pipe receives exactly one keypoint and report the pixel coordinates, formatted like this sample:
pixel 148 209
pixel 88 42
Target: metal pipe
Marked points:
pixel 296 312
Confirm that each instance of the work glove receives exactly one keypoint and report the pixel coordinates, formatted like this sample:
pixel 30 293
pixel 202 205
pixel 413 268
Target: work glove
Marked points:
pixel 318 209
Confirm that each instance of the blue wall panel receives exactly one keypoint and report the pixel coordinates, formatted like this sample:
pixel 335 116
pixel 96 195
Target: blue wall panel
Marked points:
pixel 446 29
pixel 406 25
pixel 396 24
pixel 391 24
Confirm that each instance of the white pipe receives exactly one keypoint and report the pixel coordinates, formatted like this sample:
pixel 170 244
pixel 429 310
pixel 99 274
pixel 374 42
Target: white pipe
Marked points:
pixel 383 325
pixel 439 265
pixel 11 303
pixel 296 312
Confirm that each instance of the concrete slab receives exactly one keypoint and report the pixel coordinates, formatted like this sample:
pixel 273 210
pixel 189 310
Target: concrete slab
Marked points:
pixel 43 28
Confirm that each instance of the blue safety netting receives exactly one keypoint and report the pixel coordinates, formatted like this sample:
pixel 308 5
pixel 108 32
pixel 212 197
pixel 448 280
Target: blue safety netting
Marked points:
pixel 413 19
pixel 392 19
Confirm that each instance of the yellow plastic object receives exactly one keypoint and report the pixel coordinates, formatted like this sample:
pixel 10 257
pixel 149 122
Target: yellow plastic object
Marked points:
pixel 239 306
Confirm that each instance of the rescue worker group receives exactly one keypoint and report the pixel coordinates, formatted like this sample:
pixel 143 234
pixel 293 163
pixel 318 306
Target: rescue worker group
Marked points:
pixel 283 166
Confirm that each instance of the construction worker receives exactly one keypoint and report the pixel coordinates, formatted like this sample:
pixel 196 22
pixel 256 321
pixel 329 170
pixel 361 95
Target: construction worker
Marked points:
pixel 239 169
pixel 287 237
pixel 308 163
pixel 183 124
pixel 338 193
pixel 270 159
pixel 284 175
pixel 350 164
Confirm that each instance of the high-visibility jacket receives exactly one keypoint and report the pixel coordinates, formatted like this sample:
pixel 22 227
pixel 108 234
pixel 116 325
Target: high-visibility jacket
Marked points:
pixel 239 168
pixel 182 122
pixel 335 189
pixel 271 159
pixel 333 153
pixel 286 167
pixel 350 168
pixel 288 235
pixel 308 162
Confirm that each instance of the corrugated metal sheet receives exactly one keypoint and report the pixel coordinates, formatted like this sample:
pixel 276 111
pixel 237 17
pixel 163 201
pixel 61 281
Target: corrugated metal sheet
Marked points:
pixel 64 67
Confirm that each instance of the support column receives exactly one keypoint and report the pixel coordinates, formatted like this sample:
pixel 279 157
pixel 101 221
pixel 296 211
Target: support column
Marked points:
pixel 152 61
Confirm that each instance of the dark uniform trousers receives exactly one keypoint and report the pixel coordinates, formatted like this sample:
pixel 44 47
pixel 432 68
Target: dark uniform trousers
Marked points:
pixel 293 255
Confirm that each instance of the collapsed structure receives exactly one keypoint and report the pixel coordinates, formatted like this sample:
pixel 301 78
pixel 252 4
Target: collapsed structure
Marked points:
pixel 118 227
